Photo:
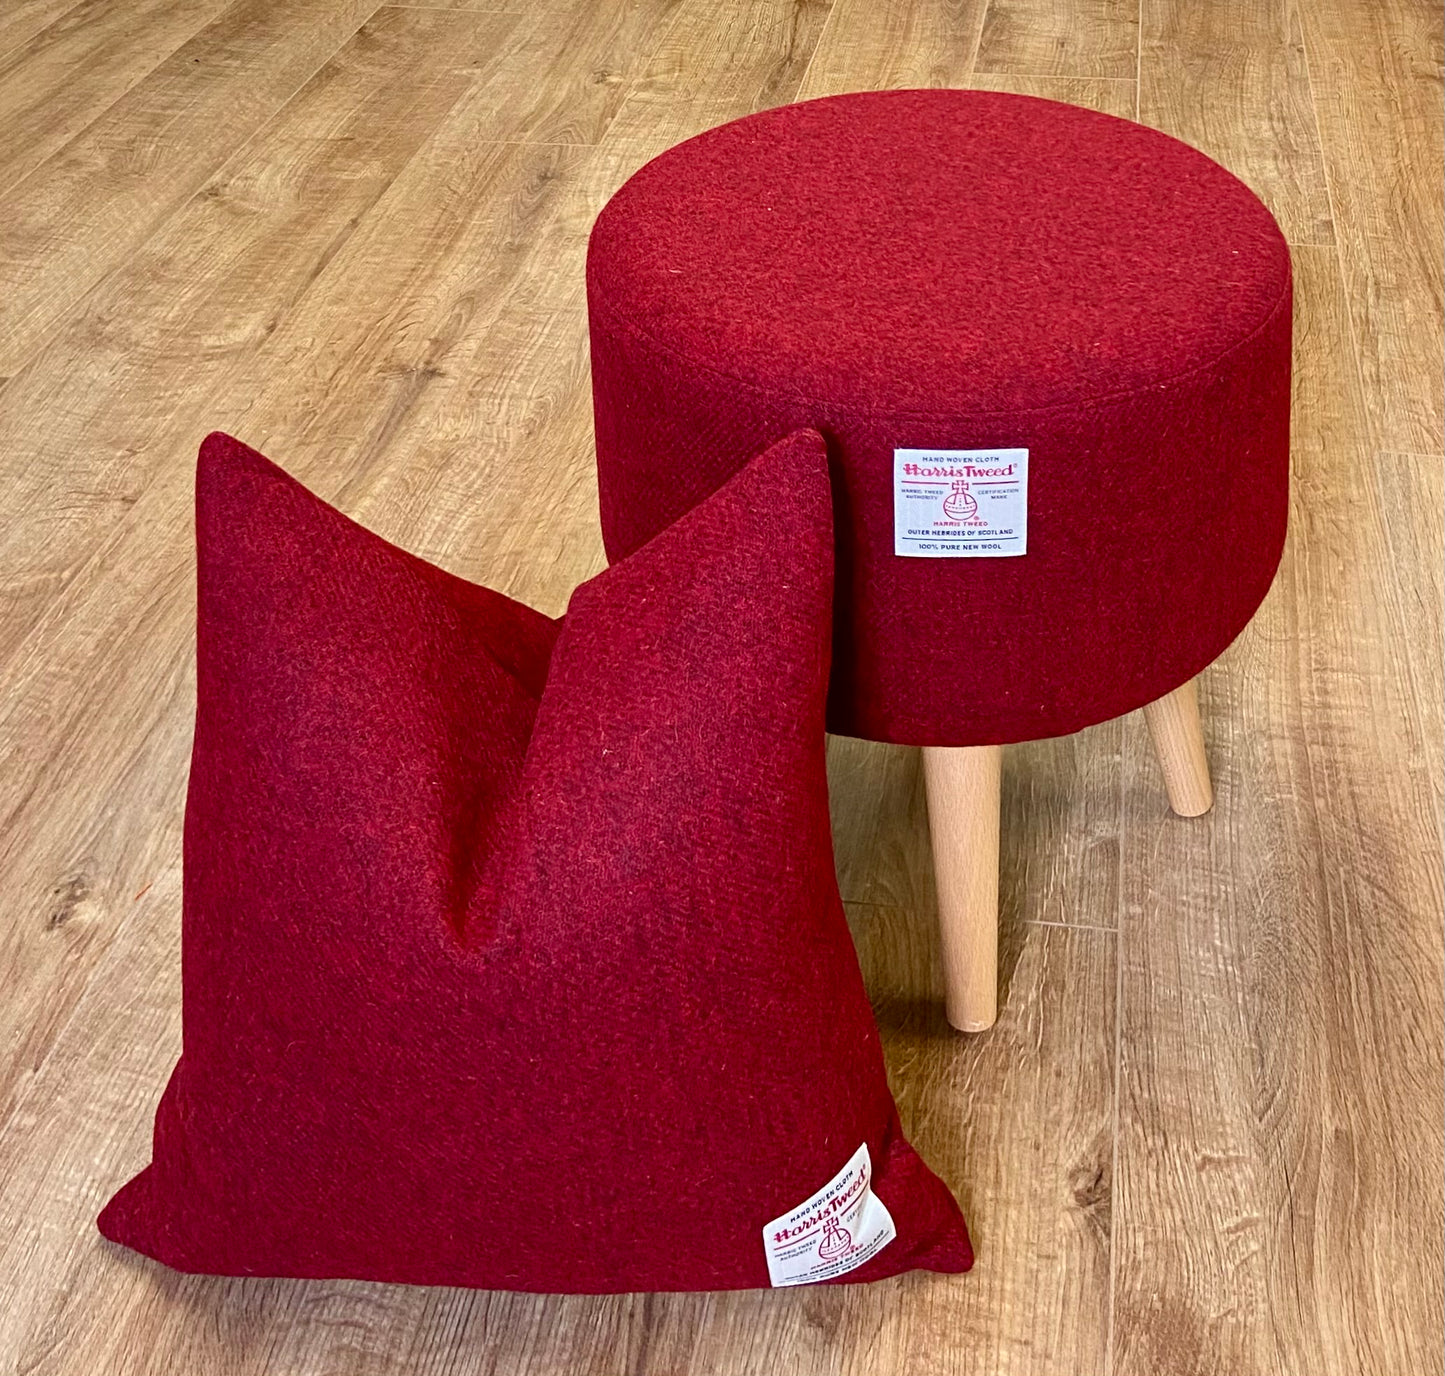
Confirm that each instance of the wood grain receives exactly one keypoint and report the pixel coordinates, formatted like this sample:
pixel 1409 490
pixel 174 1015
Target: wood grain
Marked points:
pixel 963 784
pixel 208 291
pixel 357 239
pixel 55 84
pixel 1038 1203
pixel 1108 95
pixel 938 44
pixel 105 580
pixel 119 631
pixel 758 53
pixel 568 69
pixel 1058 832
pixel 85 210
pixel 880 823
pixel 21 20
pixel 1087 38
pixel 1280 1170
pixel 1376 77
pixel 1230 78
pixel 868 47
pixel 1037 1199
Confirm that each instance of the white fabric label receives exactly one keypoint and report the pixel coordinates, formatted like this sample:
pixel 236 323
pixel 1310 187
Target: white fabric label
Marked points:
pixel 833 1231
pixel 960 503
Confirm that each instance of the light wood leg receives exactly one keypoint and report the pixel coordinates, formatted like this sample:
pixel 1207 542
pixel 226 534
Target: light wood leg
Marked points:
pixel 1179 744
pixel 962 783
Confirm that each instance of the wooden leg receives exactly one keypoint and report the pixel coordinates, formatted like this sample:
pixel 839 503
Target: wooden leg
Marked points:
pixel 1179 743
pixel 962 783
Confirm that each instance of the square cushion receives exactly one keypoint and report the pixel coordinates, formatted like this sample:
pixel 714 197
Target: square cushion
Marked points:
pixel 513 955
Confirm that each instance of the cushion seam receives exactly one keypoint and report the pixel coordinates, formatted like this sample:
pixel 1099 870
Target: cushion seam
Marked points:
pixel 849 408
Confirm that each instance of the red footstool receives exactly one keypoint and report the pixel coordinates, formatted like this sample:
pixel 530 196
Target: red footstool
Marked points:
pixel 1050 352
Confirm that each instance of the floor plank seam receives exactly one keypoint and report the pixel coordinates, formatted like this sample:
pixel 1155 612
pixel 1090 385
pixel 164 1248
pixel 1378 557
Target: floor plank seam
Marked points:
pixel 1138 57
pixel 972 64
pixel 1027 921
pixel 452 9
pixel 1054 76
pixel 818 45
pixel 1070 926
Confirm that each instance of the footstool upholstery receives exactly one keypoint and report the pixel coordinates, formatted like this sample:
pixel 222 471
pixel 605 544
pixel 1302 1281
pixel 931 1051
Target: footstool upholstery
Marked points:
pixel 997 290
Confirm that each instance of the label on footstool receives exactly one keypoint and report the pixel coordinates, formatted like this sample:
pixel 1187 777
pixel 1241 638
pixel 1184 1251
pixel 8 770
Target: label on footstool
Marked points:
pixel 831 1232
pixel 960 503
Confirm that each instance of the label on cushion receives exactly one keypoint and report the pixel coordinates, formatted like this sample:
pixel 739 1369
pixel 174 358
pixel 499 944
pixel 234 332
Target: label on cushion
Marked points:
pixel 960 503
pixel 831 1232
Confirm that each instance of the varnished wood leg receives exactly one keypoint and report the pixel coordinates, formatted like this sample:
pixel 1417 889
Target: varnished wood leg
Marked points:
pixel 962 783
pixel 1179 744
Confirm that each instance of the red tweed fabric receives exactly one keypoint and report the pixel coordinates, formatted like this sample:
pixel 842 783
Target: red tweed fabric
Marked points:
pixel 513 955
pixel 964 270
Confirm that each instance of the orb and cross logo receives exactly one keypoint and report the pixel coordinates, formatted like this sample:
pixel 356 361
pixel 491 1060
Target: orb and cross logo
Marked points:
pixel 960 504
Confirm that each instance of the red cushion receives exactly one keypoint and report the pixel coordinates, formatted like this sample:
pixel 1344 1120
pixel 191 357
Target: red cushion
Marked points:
pixel 964 270
pixel 513 954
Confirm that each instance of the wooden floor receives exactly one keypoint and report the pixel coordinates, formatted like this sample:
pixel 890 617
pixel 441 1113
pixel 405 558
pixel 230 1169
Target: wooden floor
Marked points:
pixel 1205 1136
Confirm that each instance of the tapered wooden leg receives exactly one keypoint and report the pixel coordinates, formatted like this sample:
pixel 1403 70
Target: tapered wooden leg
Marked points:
pixel 1179 744
pixel 963 801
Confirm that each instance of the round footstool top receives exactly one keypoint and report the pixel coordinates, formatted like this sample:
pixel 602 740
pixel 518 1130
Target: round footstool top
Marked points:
pixel 1075 330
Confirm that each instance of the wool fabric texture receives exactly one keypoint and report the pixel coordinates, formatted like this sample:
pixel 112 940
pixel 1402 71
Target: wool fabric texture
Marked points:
pixel 964 270
pixel 513 955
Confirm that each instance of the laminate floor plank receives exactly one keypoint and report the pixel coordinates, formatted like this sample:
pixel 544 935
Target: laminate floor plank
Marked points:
pixel 568 68
pixel 116 642
pixel 1109 95
pixel 1376 76
pixel 1280 1163
pixel 720 62
pixel 1230 78
pixel 144 353
pixel 938 45
pixel 1071 38
pixel 1059 829
pixel 83 211
pixel 69 71
pixel 1029 1152
pixel 22 20
pixel 333 390
pixel 869 47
